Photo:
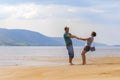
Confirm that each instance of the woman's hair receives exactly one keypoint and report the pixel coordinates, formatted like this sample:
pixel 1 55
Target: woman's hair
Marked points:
pixel 94 34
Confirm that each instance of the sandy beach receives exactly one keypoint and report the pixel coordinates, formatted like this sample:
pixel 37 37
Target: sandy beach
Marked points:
pixel 106 68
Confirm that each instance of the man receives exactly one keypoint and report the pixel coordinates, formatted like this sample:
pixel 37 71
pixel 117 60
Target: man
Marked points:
pixel 69 45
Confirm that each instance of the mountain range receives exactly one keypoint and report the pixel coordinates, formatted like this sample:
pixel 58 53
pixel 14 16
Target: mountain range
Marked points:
pixel 20 37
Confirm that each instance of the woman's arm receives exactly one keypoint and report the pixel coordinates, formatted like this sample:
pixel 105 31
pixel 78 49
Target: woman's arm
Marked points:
pixel 84 39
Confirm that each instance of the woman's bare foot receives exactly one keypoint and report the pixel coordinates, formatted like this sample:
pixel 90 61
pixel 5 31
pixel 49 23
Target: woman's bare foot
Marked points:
pixel 71 64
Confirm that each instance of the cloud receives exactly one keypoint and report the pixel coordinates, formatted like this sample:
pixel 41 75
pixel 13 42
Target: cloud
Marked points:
pixel 51 19
pixel 28 11
pixel 41 17
pixel 19 11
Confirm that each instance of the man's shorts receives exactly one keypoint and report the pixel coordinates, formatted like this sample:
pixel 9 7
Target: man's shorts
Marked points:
pixel 70 51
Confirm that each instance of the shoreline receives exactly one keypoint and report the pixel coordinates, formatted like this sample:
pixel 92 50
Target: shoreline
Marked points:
pixel 56 62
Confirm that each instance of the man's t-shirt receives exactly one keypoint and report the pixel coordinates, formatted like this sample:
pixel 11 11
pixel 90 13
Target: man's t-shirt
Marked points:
pixel 68 40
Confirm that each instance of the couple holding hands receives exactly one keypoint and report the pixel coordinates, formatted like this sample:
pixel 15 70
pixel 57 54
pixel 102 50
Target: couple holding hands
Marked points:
pixel 69 45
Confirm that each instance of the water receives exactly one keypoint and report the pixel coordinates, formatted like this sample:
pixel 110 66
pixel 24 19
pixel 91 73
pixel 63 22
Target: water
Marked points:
pixel 16 56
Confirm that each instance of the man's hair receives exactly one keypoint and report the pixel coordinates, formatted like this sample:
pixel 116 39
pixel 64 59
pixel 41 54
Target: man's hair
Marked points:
pixel 66 28
pixel 94 33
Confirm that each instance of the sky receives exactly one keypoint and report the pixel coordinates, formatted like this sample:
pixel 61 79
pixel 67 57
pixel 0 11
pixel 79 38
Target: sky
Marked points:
pixel 49 17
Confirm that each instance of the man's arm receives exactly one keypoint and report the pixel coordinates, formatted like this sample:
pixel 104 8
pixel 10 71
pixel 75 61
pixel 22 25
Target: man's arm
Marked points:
pixel 72 36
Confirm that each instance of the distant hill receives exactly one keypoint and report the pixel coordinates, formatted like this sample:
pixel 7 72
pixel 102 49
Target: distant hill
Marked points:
pixel 77 42
pixel 19 37
pixel 15 37
pixel 116 45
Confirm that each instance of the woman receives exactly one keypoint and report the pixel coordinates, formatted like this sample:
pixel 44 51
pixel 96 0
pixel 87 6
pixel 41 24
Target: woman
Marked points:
pixel 87 46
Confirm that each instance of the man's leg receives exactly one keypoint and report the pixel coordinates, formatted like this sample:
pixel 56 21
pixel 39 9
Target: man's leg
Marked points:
pixel 70 61
pixel 70 53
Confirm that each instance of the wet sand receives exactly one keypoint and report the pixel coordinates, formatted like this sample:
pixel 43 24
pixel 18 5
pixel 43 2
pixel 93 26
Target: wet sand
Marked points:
pixel 107 68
